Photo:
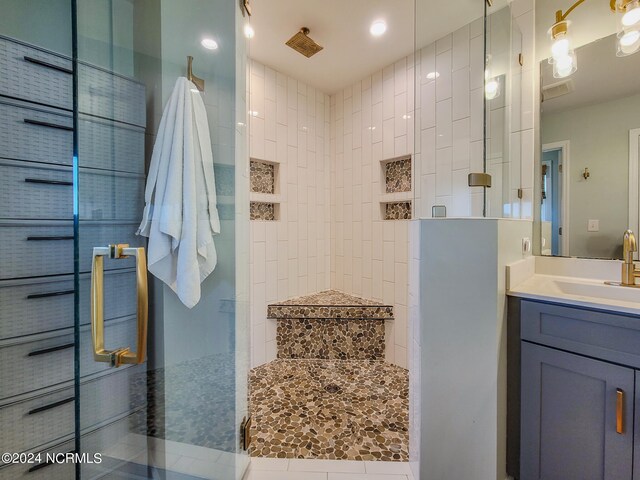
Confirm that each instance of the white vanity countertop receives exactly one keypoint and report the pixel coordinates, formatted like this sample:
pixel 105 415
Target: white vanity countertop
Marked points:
pixel 572 281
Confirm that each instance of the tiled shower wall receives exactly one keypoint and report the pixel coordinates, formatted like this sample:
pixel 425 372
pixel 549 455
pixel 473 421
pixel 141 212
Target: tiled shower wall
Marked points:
pixel 290 256
pixel 374 120
pixel 449 122
pixel 370 121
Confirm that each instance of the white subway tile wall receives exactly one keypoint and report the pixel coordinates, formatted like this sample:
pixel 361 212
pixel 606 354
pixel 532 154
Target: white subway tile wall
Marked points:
pixel 331 232
pixel 466 77
pixel 371 121
pixel 289 124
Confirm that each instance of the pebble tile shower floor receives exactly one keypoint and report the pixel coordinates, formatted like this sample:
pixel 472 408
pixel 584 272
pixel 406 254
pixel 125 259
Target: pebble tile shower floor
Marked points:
pixel 330 409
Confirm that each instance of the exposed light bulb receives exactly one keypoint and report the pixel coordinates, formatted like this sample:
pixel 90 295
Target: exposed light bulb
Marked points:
pixel 563 67
pixel 629 38
pixel 492 89
pixel 249 32
pixel 560 48
pixel 379 27
pixel 209 44
pixel 628 43
pixel 632 15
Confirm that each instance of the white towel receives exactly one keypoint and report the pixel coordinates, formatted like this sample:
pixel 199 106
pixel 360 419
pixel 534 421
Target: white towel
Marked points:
pixel 180 215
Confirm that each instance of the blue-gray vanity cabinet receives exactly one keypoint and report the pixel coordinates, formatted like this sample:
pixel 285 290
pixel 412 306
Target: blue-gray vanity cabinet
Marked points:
pixel 569 415
pixel 574 392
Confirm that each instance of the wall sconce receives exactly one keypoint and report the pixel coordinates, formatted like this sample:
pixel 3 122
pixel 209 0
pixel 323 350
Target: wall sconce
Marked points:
pixel 628 26
pixel 563 57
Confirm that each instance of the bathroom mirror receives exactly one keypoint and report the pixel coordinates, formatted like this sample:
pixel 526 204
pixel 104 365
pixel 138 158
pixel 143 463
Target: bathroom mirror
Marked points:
pixel 587 182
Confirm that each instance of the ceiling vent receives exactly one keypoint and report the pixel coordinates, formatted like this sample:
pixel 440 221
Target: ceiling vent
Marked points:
pixel 557 89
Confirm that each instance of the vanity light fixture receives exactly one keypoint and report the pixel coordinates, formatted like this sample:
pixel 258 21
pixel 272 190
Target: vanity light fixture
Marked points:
pixel 563 58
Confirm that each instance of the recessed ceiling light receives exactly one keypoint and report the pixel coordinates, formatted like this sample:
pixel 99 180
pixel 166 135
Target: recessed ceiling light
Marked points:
pixel 209 43
pixel 432 75
pixel 249 32
pixel 378 28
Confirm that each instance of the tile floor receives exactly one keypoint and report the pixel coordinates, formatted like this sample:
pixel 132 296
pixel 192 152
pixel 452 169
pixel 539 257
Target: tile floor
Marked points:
pixel 331 410
pixel 296 469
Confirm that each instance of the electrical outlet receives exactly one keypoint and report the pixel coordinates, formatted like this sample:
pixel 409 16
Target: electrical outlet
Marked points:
pixel 593 226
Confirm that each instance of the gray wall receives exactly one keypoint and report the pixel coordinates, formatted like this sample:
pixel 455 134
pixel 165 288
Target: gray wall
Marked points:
pixel 48 21
pixel 599 136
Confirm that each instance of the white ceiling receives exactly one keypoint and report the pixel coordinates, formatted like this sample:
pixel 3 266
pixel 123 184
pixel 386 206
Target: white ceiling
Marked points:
pixel 601 76
pixel 342 28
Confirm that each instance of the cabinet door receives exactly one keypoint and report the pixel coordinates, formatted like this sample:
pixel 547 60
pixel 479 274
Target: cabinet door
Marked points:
pixel 569 417
pixel 636 431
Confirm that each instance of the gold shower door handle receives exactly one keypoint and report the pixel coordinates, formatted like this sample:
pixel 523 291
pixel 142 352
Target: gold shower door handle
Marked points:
pixel 619 411
pixel 122 355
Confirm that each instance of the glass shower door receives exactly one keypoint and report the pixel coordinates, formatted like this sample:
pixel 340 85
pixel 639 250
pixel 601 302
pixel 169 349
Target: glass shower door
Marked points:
pixel 160 388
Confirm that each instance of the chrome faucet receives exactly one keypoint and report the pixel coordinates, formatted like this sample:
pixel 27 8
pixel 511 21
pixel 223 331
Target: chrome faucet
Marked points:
pixel 629 271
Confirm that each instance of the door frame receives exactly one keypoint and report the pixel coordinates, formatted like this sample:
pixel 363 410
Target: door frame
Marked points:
pixel 634 181
pixel 564 147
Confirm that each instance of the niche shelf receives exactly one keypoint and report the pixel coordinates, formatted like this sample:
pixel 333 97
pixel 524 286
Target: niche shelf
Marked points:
pixel 396 197
pixel 264 196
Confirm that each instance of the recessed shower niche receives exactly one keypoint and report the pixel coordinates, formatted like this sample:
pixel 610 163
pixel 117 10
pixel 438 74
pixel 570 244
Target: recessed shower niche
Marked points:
pixel 265 192
pixel 397 196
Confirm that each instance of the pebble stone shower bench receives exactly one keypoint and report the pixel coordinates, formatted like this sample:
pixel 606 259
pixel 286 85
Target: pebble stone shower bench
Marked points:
pixel 330 325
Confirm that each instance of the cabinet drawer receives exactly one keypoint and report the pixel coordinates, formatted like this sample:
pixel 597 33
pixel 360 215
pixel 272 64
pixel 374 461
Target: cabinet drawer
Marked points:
pixel 44 304
pixel 32 191
pixel 126 391
pixel 35 134
pixel 117 333
pixel 34 250
pixel 110 145
pixel 46 248
pixel 35 364
pixel 107 195
pixel 53 471
pixel 106 95
pixel 35 75
pixel 31 423
pixel 95 234
pixel 603 335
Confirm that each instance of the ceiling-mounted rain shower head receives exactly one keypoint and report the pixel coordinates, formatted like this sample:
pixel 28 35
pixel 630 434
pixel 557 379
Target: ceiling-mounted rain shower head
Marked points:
pixel 301 43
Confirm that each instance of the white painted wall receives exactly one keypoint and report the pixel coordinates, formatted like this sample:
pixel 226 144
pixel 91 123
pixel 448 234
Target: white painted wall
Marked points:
pixel 289 257
pixel 458 371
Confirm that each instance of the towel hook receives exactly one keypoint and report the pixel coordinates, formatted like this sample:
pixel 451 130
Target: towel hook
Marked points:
pixel 199 82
